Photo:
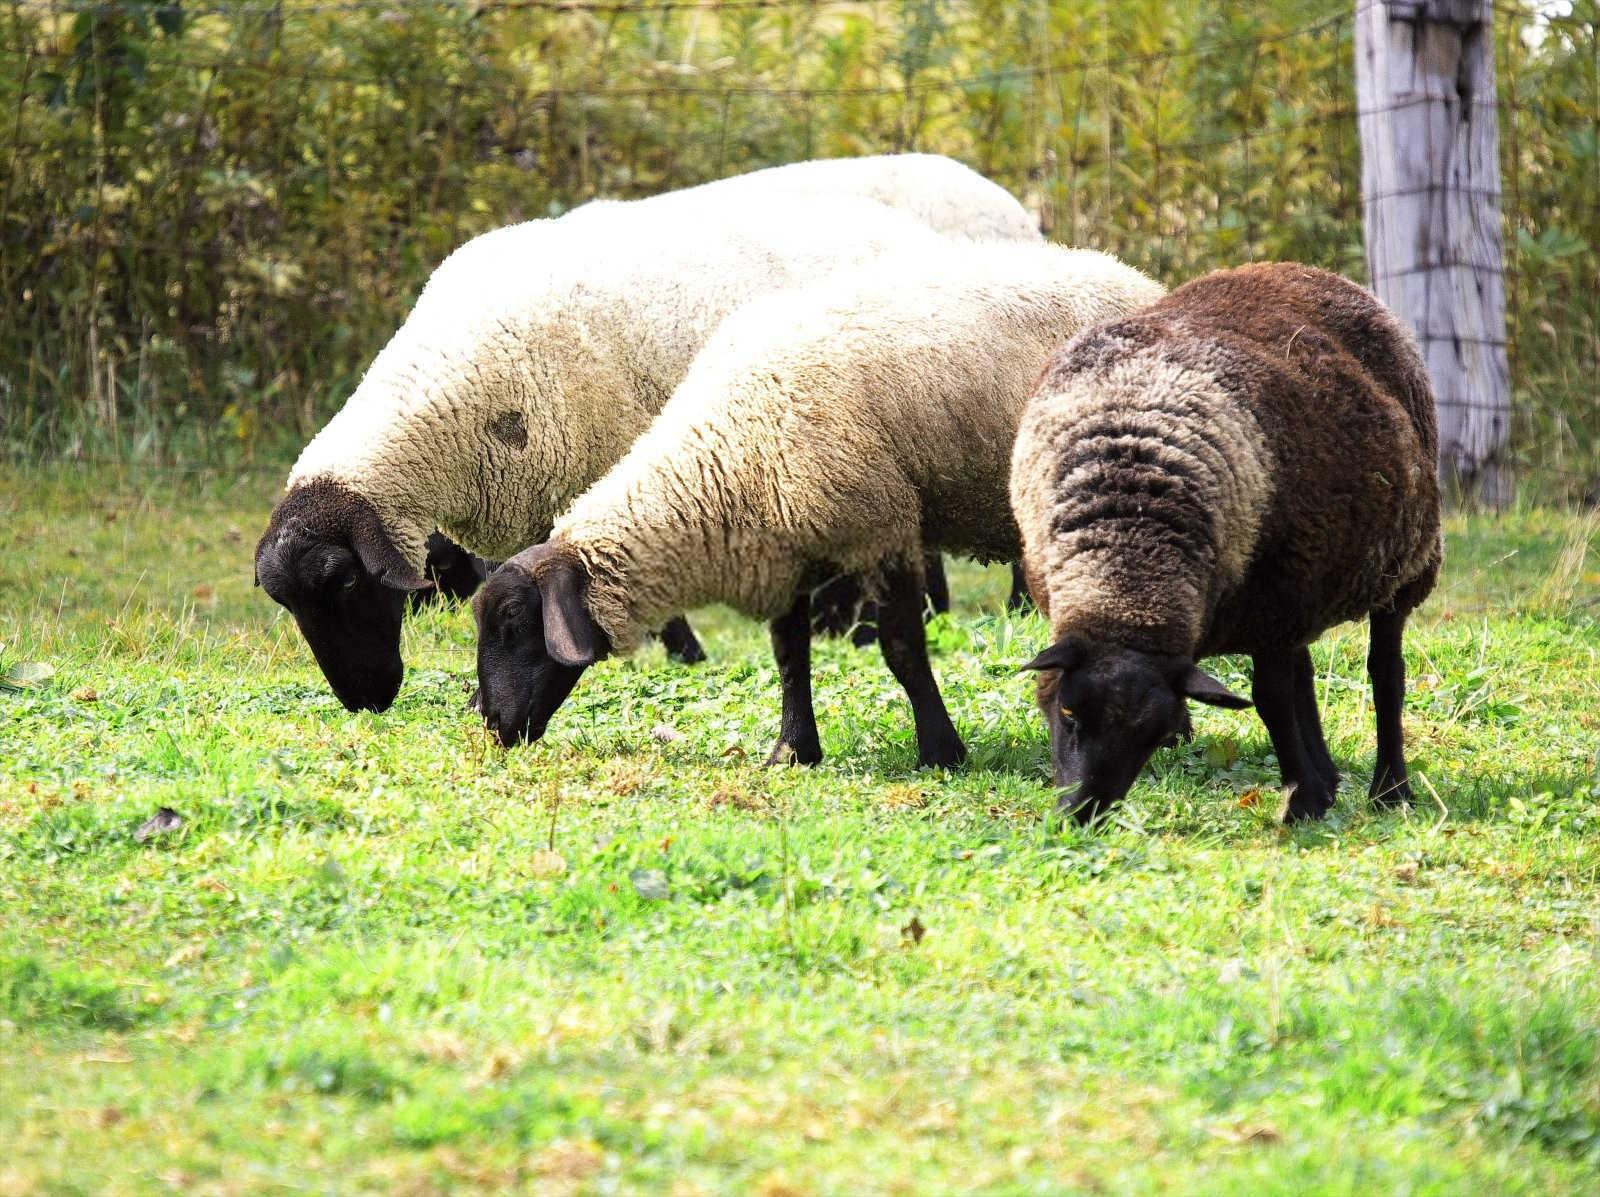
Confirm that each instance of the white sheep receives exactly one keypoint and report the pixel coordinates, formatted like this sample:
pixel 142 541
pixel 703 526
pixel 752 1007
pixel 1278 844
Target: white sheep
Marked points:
pixel 533 358
pixel 848 425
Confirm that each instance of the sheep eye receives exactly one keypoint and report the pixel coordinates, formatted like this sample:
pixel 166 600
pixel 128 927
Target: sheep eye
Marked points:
pixel 349 582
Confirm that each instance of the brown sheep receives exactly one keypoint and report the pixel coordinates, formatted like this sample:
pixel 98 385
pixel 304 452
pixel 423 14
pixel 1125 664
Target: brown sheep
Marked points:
pixel 1235 469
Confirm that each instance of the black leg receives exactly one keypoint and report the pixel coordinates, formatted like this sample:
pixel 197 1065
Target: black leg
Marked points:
pixel 1387 669
pixel 791 648
pixel 681 643
pixel 938 586
pixel 905 648
pixel 1310 720
pixel 1273 687
pixel 834 603
pixel 1019 600
pixel 866 629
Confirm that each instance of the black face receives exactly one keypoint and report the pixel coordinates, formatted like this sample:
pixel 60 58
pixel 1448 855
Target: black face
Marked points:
pixel 346 586
pixel 1108 709
pixel 535 639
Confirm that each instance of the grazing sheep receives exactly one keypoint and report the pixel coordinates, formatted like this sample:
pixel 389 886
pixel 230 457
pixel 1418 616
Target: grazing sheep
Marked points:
pixel 533 358
pixel 1235 470
pixel 846 426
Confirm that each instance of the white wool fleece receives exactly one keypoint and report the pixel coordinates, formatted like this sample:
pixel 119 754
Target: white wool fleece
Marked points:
pixel 859 420
pixel 940 192
pixel 537 353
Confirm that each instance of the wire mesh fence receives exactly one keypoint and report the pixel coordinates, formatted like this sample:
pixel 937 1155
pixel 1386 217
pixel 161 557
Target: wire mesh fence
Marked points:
pixel 213 215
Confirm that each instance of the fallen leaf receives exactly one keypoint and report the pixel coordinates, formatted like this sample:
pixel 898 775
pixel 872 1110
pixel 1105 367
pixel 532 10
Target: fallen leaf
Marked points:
pixel 25 675
pixel 650 884
pixel 570 1160
pixel 736 751
pixel 1377 916
pixel 1222 752
pixel 187 954
pixel 737 798
pixel 205 593
pixel 1406 873
pixel 1250 798
pixel 497 1064
pixel 914 930
pixel 1247 1132
pixel 547 863
pixel 164 821
pixel 86 694
pixel 108 1116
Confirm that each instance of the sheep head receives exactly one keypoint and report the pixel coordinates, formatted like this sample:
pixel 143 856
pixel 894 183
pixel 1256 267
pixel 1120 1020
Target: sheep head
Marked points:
pixel 327 557
pixel 535 639
pixel 1108 708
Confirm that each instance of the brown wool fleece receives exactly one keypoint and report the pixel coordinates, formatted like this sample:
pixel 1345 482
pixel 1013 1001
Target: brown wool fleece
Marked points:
pixel 1242 465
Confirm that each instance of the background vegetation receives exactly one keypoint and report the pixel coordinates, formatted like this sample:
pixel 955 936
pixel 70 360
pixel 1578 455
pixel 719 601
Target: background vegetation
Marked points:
pixel 213 214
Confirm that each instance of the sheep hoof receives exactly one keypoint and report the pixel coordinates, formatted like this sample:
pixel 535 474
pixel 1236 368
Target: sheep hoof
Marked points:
pixel 689 654
pixel 944 755
pixel 1308 802
pixel 785 753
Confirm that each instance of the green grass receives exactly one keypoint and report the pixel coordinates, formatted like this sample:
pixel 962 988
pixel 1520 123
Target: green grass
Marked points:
pixel 381 955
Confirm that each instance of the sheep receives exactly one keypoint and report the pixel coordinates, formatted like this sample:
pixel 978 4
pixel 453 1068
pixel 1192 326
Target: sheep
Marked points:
pixel 532 359
pixel 1235 470
pixel 849 426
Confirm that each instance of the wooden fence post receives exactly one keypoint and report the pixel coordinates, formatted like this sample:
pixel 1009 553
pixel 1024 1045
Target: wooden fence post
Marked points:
pixel 1430 184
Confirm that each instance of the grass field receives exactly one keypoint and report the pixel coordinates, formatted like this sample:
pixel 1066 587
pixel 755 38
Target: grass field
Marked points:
pixel 379 954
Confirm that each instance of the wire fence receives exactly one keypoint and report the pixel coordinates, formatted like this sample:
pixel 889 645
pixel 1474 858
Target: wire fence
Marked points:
pixel 212 216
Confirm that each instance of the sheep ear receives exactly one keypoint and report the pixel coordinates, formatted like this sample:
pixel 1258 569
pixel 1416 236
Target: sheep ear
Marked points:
pixel 569 630
pixel 1199 685
pixel 1065 653
pixel 380 558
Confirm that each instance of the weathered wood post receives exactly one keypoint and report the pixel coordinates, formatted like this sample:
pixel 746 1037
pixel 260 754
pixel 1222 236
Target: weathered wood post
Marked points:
pixel 1430 184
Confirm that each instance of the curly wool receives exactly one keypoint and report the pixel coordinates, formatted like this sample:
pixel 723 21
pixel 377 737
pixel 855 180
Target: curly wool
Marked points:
pixel 941 193
pixel 537 353
pixel 838 427
pixel 1237 468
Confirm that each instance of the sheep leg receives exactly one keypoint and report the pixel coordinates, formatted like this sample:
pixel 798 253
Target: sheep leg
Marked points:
pixel 1310 719
pixel 1272 686
pixel 937 585
pixel 866 627
pixel 680 641
pixel 905 650
pixel 1019 599
pixel 1386 666
pixel 791 648
pixel 834 603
